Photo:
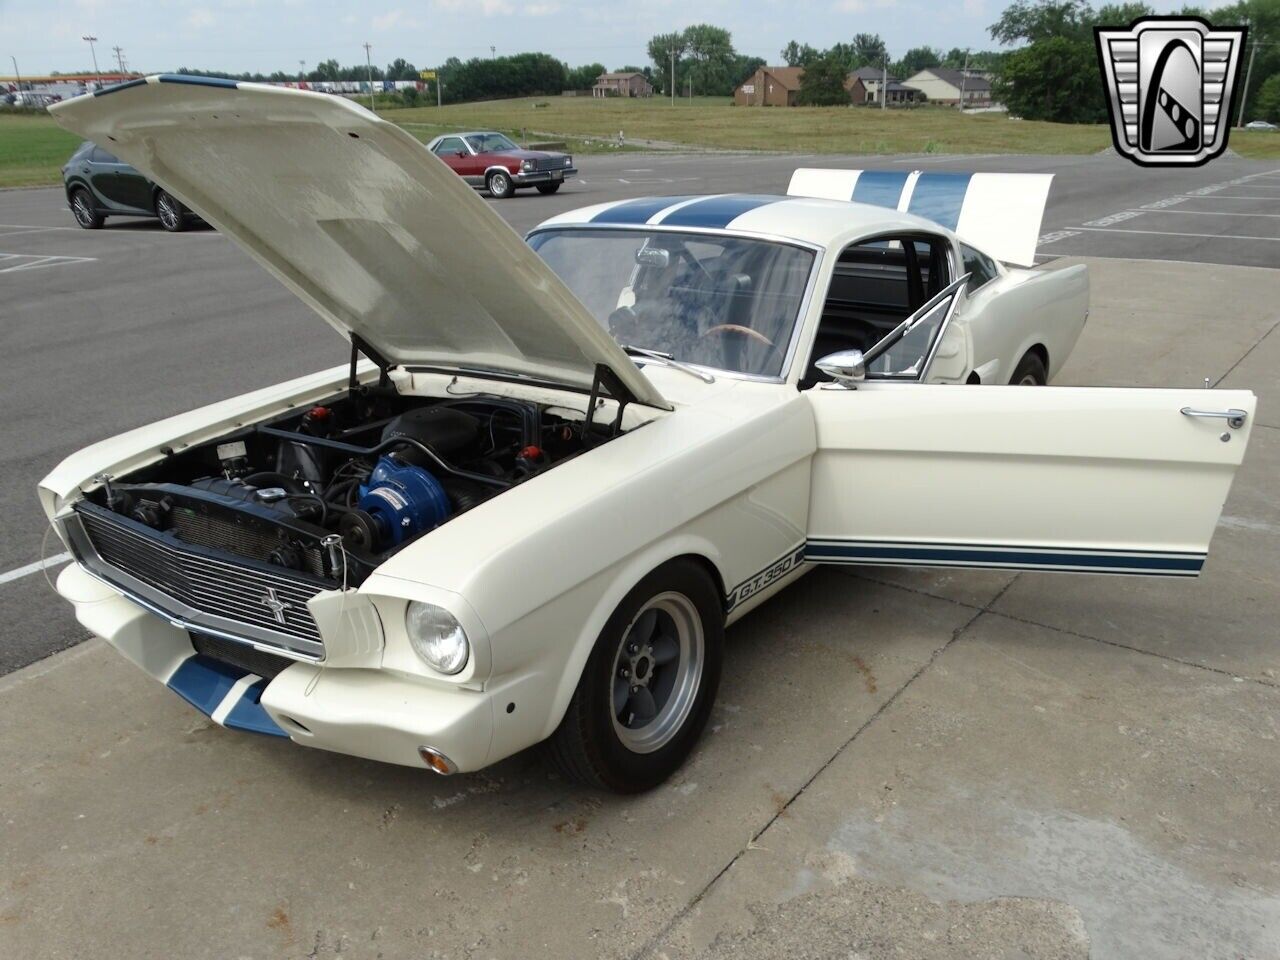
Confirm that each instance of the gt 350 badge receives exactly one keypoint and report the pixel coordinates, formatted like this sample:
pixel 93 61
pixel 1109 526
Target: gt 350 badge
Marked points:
pixel 1170 88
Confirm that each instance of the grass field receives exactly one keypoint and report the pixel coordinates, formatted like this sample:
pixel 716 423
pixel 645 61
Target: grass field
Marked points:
pixel 32 148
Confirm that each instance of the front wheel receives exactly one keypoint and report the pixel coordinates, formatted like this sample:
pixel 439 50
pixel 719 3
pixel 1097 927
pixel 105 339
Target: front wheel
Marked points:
pixel 85 212
pixel 500 185
pixel 172 215
pixel 548 187
pixel 648 686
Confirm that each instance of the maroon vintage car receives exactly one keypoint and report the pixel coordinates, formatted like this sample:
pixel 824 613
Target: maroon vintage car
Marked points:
pixel 490 161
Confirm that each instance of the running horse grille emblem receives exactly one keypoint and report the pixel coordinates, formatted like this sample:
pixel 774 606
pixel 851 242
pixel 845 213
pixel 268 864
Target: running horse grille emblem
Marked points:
pixel 1170 88
pixel 275 605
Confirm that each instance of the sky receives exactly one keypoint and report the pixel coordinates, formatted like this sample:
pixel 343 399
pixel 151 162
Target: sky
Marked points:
pixel 266 35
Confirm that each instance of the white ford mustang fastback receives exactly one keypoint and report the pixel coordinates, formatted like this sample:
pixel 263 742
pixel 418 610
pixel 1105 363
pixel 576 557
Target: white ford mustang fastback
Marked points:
pixel 554 472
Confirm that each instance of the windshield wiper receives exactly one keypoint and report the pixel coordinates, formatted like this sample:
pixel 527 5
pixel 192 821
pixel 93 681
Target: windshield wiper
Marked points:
pixel 668 360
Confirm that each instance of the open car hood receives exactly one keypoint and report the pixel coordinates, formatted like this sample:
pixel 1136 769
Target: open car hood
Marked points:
pixel 358 219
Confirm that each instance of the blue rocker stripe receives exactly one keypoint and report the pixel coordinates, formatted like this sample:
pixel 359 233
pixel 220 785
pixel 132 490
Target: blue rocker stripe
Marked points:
pixel 637 211
pixel 939 197
pixel 716 212
pixel 880 188
pixel 1101 562
pixel 204 683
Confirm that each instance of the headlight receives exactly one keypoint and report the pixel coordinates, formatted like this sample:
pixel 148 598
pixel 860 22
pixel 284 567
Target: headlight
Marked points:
pixel 528 165
pixel 437 637
pixel 568 161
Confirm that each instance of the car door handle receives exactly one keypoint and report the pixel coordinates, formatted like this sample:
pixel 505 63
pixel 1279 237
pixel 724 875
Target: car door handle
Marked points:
pixel 1235 418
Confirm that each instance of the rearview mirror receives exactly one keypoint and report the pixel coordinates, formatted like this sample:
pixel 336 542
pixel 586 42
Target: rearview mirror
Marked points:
pixel 845 367
pixel 653 257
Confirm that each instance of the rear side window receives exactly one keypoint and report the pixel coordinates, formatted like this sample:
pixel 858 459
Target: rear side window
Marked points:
pixel 981 268
pixel 101 156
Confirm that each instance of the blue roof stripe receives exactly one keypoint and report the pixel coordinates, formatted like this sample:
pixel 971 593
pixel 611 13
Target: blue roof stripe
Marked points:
pixel 940 197
pixel 198 81
pixel 203 682
pixel 637 211
pixel 249 714
pixel 717 212
pixel 880 188
pixel 116 87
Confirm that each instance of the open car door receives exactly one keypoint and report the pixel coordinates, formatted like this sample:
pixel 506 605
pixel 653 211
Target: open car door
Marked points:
pixel 1074 479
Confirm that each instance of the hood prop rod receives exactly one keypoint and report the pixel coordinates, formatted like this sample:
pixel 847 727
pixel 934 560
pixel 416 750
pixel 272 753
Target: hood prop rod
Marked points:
pixel 358 346
pixel 615 390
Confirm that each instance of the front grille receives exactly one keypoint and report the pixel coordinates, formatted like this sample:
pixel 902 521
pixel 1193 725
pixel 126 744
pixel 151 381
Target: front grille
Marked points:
pixel 549 163
pixel 258 662
pixel 209 530
pixel 233 597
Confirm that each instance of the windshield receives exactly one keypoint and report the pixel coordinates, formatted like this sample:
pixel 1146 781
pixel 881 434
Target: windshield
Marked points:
pixel 489 143
pixel 724 302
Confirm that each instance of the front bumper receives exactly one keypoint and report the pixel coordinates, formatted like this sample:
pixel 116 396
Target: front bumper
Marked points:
pixel 375 714
pixel 534 177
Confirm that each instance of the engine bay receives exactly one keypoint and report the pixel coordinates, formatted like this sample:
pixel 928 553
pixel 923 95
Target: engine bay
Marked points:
pixel 333 490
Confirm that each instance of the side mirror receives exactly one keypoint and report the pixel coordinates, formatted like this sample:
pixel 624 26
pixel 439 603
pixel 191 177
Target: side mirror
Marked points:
pixel 845 367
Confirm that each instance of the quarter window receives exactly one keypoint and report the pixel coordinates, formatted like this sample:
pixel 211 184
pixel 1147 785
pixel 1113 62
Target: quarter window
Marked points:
pixel 981 268
pixel 449 145
pixel 101 156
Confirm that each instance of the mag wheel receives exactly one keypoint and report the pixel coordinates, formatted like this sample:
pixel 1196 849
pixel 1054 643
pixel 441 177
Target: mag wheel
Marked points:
pixel 500 185
pixel 171 213
pixel 84 211
pixel 648 686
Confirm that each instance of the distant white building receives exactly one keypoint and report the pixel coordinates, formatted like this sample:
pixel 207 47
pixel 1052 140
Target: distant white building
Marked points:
pixel 944 85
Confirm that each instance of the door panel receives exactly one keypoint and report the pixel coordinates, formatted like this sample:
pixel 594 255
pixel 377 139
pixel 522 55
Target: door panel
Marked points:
pixel 1075 479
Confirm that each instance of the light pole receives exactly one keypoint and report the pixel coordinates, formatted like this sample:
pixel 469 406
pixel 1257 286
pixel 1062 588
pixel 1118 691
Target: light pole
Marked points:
pixel 493 52
pixel 16 74
pixel 368 62
pixel 884 80
pixel 119 59
pixel 673 74
pixel 1244 94
pixel 94 53
pixel 964 78
pixel 302 70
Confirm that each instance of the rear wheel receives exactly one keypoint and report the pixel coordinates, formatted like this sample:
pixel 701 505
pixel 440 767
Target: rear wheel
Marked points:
pixel 172 214
pixel 500 185
pixel 83 209
pixel 548 187
pixel 1030 372
pixel 648 686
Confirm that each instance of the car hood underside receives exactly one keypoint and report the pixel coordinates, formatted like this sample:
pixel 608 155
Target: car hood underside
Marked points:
pixel 359 220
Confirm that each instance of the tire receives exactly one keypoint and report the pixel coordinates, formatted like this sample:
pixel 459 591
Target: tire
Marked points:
pixel 83 209
pixel 548 188
pixel 601 742
pixel 1030 372
pixel 500 185
pixel 171 213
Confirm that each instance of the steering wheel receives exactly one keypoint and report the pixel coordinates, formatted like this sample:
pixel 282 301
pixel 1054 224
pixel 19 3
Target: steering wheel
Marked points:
pixel 738 330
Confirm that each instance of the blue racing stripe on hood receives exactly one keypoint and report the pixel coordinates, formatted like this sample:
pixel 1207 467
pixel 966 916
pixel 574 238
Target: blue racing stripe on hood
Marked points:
pixel 717 212
pixel 940 197
pixel 116 87
pixel 880 188
pixel 197 81
pixel 637 211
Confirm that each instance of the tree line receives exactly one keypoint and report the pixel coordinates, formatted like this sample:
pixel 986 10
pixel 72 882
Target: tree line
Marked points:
pixel 1050 74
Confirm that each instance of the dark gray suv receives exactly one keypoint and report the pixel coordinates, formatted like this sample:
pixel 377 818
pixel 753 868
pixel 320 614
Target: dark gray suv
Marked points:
pixel 100 185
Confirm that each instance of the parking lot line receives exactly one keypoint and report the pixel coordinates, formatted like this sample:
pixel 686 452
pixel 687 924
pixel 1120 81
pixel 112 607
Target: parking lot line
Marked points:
pixel 1171 233
pixel 1226 196
pixel 31 261
pixel 19 572
pixel 1209 213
